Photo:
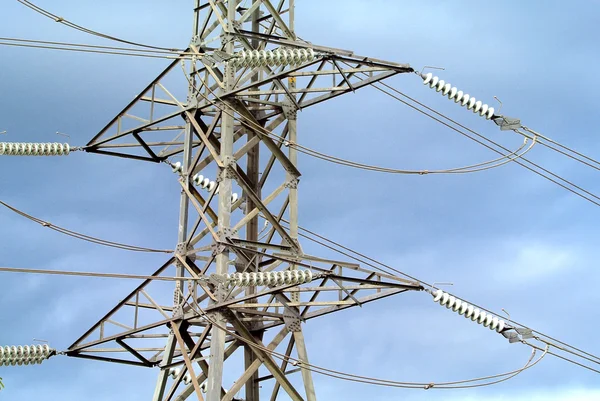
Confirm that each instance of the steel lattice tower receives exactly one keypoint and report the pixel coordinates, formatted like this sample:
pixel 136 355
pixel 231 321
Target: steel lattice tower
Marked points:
pixel 249 70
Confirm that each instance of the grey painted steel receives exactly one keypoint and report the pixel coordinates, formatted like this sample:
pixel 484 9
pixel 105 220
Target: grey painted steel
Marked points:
pixel 245 154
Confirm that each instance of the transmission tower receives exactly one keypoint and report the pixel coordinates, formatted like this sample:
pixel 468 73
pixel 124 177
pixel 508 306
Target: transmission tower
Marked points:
pixel 230 140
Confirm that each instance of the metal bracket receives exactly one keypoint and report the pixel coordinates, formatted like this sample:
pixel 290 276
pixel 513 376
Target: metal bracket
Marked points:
pixel 290 111
pixel 511 336
pixel 227 232
pixel 217 248
pixel 507 123
pixel 182 250
pixel 217 279
pixel 292 322
pixel 228 170
pixel 525 333
pixel 293 183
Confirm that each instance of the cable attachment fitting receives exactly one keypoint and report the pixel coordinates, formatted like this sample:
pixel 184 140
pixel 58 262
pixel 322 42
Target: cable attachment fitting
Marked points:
pixel 507 123
pixel 465 100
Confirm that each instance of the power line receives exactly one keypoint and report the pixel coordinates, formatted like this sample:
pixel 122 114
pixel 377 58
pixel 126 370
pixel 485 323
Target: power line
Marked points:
pixel 93 274
pixel 81 50
pixel 336 160
pixel 578 156
pixel 81 236
pixel 363 257
pixel 70 24
pixel 270 133
pixel 371 380
pixel 126 49
pixel 519 162
pixel 316 154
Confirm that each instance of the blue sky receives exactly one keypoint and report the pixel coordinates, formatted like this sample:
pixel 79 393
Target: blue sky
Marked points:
pixel 506 238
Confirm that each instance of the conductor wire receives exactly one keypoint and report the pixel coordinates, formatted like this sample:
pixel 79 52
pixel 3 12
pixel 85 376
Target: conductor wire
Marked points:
pixel 519 162
pixel 271 134
pixel 595 165
pixel 371 380
pixel 368 261
pixel 349 163
pixel 70 24
pixel 95 274
pixel 81 236
pixel 82 50
pixel 82 45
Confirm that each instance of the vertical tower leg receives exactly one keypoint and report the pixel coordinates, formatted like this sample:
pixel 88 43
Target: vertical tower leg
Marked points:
pixel 217 343
pixel 253 166
pixel 309 387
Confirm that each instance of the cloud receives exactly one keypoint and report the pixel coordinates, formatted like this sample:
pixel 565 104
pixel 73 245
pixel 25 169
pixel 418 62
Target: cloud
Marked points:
pixel 541 394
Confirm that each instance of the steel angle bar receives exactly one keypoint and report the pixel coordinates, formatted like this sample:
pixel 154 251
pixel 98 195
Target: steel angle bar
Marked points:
pixel 122 303
pixel 134 101
pixel 254 366
pixel 265 358
pixel 275 150
pixel 200 132
pixel 134 353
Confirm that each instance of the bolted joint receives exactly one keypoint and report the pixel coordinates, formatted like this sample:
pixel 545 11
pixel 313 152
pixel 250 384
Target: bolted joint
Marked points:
pixel 226 232
pixel 292 323
pixel 218 248
pixel 290 111
pixel 196 41
pixel 177 300
pixel 182 250
pixel 292 183
pixel 229 167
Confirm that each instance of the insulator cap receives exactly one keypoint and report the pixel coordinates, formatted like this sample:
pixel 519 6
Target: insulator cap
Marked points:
pixel 176 167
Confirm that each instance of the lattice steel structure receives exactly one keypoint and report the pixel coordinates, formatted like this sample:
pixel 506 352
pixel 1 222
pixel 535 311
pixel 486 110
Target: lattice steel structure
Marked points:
pixel 247 74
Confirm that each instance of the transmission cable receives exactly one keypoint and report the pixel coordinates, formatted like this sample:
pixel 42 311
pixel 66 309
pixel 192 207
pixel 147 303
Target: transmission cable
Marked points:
pixel 520 162
pixel 513 155
pixel 96 274
pixel 70 24
pixel 259 128
pixel 361 258
pixel 81 236
pixel 316 154
pixel 559 149
pixel 83 45
pixel 92 50
pixel 371 380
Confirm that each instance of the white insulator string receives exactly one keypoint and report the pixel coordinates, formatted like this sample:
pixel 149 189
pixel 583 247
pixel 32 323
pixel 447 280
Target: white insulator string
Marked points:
pixel 210 185
pixel 34 149
pixel 201 181
pixel 287 277
pixel 469 311
pixel 25 355
pixel 465 100
pixel 272 58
